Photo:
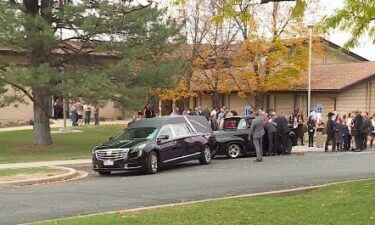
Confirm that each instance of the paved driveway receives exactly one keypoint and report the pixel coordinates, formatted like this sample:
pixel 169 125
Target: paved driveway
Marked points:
pixel 185 182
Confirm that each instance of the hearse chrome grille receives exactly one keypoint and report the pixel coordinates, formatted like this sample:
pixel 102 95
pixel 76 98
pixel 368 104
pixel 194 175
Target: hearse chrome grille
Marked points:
pixel 114 154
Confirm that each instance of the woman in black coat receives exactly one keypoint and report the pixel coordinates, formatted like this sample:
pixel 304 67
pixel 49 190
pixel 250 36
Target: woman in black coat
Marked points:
pixel 330 133
pixel 311 131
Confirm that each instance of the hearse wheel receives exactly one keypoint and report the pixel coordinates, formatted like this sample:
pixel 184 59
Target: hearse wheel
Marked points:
pixel 104 173
pixel 206 156
pixel 152 163
pixel 233 150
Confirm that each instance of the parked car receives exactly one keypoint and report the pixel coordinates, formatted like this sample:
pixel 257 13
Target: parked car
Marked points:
pixel 233 137
pixel 150 143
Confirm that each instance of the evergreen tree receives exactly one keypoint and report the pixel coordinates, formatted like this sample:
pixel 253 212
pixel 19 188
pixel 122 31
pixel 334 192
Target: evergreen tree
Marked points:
pixel 92 50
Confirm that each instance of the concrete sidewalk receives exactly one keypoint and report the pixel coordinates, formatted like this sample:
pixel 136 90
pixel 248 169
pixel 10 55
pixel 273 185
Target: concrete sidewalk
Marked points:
pixel 60 124
pixel 45 163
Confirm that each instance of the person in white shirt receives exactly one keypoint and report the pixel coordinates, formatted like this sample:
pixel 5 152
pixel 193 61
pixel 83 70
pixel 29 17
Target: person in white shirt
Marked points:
pixel 87 110
pixel 313 115
pixel 213 114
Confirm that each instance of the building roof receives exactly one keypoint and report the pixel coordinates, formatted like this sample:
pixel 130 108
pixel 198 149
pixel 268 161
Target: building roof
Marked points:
pixel 325 77
pixel 337 77
pixel 345 51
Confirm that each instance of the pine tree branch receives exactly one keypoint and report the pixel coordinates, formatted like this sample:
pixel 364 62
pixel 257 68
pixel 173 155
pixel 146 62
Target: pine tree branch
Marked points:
pixel 128 11
pixel 18 5
pixel 17 87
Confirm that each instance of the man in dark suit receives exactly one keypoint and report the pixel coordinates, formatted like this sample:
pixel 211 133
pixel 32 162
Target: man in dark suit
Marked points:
pixel 357 131
pixel 330 133
pixel 256 134
pixel 283 130
pixel 272 137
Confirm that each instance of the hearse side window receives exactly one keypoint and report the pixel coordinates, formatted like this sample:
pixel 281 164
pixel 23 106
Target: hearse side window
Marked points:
pixel 242 124
pixel 166 130
pixel 180 130
pixel 189 128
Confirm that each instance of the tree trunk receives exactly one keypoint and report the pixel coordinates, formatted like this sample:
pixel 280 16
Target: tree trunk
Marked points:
pixel 216 99
pixel 41 130
pixel 259 100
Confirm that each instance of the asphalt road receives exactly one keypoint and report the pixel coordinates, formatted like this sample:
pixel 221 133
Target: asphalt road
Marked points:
pixel 185 182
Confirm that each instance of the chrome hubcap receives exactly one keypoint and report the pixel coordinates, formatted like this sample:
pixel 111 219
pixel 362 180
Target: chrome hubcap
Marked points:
pixel 207 154
pixel 234 150
pixel 154 163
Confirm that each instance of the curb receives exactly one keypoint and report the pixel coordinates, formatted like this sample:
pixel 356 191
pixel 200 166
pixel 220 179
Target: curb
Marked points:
pixel 71 174
pixel 268 193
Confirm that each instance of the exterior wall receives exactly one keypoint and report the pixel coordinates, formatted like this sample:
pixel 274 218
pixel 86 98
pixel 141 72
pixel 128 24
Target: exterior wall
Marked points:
pixel 205 100
pixel 354 98
pixel 238 104
pixel 326 100
pixel 372 98
pixel 21 113
pixel 331 56
pixel 109 111
pixel 284 103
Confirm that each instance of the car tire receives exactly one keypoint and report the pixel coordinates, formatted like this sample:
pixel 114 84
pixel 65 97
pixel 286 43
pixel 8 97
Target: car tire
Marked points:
pixel 104 173
pixel 289 145
pixel 206 155
pixel 152 163
pixel 233 150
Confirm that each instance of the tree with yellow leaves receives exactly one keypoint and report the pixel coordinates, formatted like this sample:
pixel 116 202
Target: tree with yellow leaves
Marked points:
pixel 274 51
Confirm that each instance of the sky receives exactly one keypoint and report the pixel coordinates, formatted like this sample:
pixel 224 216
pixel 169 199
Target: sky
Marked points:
pixel 366 48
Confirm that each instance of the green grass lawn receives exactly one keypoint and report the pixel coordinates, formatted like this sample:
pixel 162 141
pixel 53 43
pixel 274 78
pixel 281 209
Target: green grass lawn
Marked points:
pixel 8 174
pixel 344 204
pixel 16 146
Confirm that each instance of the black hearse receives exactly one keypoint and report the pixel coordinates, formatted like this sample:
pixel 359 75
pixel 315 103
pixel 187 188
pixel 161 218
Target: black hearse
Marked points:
pixel 148 144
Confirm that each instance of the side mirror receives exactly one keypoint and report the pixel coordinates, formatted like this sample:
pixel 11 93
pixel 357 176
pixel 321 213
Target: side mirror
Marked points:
pixel 163 137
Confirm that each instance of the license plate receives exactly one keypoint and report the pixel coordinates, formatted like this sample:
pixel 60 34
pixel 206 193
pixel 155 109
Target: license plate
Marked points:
pixel 108 162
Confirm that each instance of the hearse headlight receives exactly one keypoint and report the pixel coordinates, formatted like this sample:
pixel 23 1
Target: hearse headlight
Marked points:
pixel 138 149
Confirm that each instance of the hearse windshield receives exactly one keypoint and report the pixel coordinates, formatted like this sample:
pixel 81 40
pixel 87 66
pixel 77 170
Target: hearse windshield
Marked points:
pixel 137 133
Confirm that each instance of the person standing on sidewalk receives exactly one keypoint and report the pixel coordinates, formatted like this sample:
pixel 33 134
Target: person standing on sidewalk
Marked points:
pixel 357 131
pixel 256 135
pixel 272 136
pixel 299 129
pixel 350 126
pixel 96 114
pixel 345 135
pixel 319 134
pixel 330 133
pixel 365 129
pixel 311 130
pixel 87 110
pixel 74 115
pixel 372 130
pixel 283 129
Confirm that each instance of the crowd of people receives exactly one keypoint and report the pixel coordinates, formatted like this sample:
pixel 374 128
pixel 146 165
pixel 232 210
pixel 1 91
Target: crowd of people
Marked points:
pixel 345 132
pixel 81 114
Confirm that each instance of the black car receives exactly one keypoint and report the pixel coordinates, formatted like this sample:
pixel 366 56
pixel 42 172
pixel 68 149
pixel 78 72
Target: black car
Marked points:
pixel 150 143
pixel 233 137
